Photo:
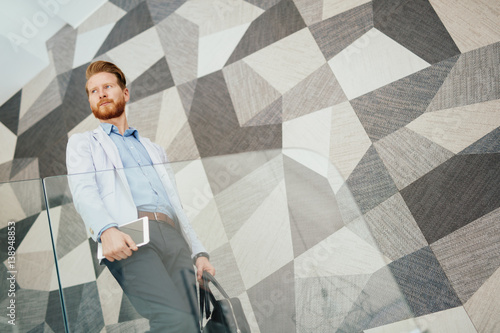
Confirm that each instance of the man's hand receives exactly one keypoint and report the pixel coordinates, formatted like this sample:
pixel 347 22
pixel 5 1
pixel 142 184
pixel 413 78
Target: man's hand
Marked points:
pixel 117 245
pixel 202 264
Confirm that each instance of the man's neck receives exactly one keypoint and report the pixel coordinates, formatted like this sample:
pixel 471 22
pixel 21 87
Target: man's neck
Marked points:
pixel 120 123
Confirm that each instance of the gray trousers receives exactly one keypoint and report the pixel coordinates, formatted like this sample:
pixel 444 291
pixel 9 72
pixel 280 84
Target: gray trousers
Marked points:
pixel 160 282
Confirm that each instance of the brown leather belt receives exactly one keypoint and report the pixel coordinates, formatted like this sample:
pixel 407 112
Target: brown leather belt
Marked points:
pixel 157 217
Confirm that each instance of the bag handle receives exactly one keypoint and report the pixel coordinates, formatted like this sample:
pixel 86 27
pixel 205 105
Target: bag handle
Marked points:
pixel 209 277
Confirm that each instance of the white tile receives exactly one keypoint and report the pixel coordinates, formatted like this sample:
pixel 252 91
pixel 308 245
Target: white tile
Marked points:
pixel 38 238
pixel 144 114
pixel 310 132
pixel 250 93
pixel 472 24
pixel 88 43
pixel 454 320
pixel 335 7
pixel 208 226
pixel 110 296
pixel 138 54
pixel 215 49
pixel 107 14
pixel 215 16
pixel 314 161
pixel 484 307
pixel 349 141
pixel 35 270
pixel 194 188
pixel 9 141
pixel 76 267
pixel 76 12
pixel 172 117
pixel 238 202
pixel 288 61
pixel 88 124
pixel 269 228
pixel 457 128
pixel 342 253
pixel 373 61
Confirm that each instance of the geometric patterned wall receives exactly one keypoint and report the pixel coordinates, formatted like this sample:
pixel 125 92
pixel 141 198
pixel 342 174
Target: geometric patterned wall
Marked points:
pixel 403 97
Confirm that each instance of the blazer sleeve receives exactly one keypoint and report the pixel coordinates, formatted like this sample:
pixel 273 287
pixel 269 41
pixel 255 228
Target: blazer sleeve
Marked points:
pixel 83 184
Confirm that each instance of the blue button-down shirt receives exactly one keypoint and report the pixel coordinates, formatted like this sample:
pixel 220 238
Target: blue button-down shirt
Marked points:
pixel 146 187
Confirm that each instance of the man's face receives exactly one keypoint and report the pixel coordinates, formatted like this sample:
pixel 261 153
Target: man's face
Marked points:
pixel 106 98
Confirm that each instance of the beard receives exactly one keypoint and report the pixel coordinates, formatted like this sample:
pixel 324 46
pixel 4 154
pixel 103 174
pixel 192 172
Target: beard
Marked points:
pixel 109 111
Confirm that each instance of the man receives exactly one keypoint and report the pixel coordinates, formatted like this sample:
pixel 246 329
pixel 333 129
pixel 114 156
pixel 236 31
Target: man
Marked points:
pixel 158 277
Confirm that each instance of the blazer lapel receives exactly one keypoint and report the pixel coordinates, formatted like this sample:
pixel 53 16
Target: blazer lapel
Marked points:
pixel 109 147
pixel 112 154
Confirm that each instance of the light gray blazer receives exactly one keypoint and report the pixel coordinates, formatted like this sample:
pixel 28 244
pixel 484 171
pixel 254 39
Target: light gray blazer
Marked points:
pixel 101 193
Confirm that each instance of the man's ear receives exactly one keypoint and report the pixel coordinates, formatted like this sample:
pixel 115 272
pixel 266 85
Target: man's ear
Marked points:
pixel 126 94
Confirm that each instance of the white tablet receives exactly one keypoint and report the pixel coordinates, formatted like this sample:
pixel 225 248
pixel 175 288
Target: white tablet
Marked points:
pixel 137 229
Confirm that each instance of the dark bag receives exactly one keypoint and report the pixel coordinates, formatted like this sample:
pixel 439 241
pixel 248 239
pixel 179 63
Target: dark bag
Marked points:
pixel 227 315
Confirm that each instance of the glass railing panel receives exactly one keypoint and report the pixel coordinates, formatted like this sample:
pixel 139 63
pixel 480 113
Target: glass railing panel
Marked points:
pixel 29 297
pixel 284 235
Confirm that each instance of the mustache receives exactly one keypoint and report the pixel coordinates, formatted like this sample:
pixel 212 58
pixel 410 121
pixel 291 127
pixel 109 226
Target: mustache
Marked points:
pixel 106 100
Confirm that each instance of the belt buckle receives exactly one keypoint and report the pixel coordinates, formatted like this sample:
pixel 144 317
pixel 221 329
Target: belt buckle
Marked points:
pixel 156 217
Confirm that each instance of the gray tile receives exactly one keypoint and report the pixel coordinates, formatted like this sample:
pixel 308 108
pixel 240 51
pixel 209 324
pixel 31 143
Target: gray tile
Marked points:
pixel 137 325
pixel 25 168
pixel 9 112
pixel 183 147
pixel 264 4
pixel 277 292
pixel 324 302
pixel 63 81
pixel 133 23
pixel 314 214
pixel 318 91
pixel 473 79
pixel 186 93
pixel 180 47
pixel 470 255
pixel 161 9
pixel 391 107
pixel 336 33
pixel 416 26
pixel 271 114
pixel 454 194
pixel 408 156
pixel 370 183
pixel 274 24
pixel 380 302
pixel 5 171
pixel 90 318
pixel 391 228
pixel 423 283
pixel 489 143
pixel 62 48
pixel 75 106
pixel 49 99
pixel 248 187
pixel 52 161
pixel 228 273
pixel 215 126
pixel 30 309
pixel 126 5
pixel 224 171
pixel 157 78
pixel 71 231
pixel 39 140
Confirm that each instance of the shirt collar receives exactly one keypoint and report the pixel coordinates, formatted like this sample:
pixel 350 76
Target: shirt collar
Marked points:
pixel 110 128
